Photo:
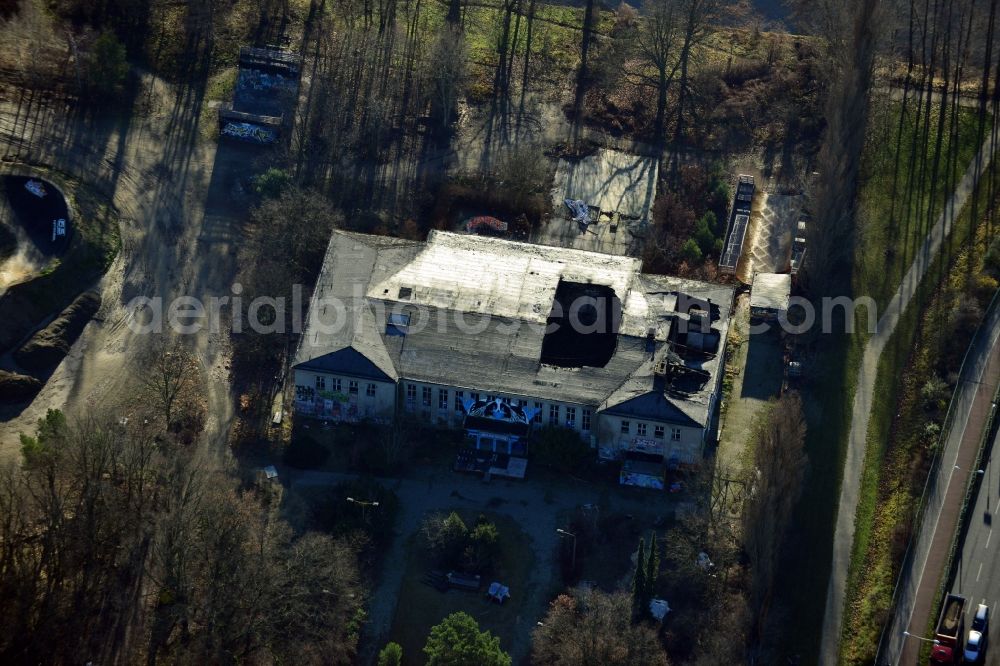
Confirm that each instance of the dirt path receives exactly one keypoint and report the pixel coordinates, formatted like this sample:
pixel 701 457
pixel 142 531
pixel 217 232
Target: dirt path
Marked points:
pixel 167 182
pixel 867 374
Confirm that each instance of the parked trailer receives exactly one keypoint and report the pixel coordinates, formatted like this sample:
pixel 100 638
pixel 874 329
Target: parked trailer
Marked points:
pixel 739 220
pixel 949 632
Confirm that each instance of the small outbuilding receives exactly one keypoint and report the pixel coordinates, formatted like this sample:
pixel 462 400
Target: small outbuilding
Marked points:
pixel 769 295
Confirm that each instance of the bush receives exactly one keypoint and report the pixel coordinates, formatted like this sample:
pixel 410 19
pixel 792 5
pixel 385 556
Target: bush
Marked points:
pixel 484 547
pixel 691 252
pixel 703 234
pixel 106 65
pixel 271 183
pixel 391 655
pixel 304 452
pixel 447 538
pixel 562 449
pixel 935 393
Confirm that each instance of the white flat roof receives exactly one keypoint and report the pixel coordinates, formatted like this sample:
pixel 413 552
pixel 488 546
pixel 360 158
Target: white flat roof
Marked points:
pixel 481 275
pixel 771 291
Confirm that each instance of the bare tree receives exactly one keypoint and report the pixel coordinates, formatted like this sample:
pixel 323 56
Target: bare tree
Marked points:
pixel 658 39
pixel 170 377
pixel 779 468
pixel 593 628
pixel 448 70
pixel 834 193
pixel 29 43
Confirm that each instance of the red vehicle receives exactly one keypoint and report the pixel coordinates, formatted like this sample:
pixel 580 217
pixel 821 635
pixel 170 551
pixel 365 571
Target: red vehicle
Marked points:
pixel 950 631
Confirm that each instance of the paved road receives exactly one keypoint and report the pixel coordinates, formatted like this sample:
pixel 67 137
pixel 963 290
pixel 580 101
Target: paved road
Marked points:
pixel 919 580
pixel 978 577
pixel 857 441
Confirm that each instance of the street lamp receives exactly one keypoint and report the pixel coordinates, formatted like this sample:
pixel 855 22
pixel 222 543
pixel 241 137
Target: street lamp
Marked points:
pixel 364 506
pixel 563 532
pixel 921 638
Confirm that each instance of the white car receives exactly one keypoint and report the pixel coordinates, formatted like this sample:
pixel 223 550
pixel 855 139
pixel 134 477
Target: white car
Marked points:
pixel 974 646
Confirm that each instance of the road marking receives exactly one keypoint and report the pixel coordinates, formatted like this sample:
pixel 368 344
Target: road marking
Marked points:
pixel 988 535
pixel 979 572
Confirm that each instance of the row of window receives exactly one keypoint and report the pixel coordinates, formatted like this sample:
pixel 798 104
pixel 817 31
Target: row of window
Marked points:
pixel 555 410
pixel 659 432
pixel 426 395
pixel 352 386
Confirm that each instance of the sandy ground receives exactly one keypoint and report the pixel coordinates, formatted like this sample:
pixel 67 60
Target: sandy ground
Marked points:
pixel 756 369
pixel 179 228
pixel 768 244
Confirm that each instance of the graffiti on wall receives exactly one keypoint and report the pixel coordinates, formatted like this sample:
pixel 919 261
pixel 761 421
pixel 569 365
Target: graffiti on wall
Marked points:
pixel 249 132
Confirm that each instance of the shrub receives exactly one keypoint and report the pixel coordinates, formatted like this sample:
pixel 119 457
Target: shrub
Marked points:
pixel 447 538
pixel 484 547
pixel 562 449
pixel 935 393
pixel 272 183
pixel 107 66
pixel 703 234
pixel 691 252
pixel 390 655
pixel 304 452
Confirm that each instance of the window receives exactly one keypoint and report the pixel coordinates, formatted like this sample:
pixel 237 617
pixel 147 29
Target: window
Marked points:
pixel 320 383
pixel 626 427
pixel 675 434
pixel 522 403
pixel 426 396
pixel 640 429
pixel 658 432
pixel 411 392
pixel 475 397
pixel 442 398
pixel 336 384
pixel 370 390
pixel 537 418
pixel 553 414
pixel 585 424
pixel 459 397
pixel 353 386
pixel 570 416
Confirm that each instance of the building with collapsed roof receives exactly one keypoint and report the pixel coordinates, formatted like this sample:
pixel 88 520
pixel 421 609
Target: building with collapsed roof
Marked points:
pixel 500 337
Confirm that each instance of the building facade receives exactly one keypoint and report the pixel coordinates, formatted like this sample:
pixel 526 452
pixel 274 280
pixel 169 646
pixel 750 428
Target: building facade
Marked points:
pixel 499 338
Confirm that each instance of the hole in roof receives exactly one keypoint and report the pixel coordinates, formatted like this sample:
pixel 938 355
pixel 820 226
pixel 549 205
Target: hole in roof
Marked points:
pixel 405 292
pixel 582 326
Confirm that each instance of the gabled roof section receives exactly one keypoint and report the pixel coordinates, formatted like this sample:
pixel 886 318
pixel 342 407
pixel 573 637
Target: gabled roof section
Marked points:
pixel 340 317
pixel 648 403
pixel 347 361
